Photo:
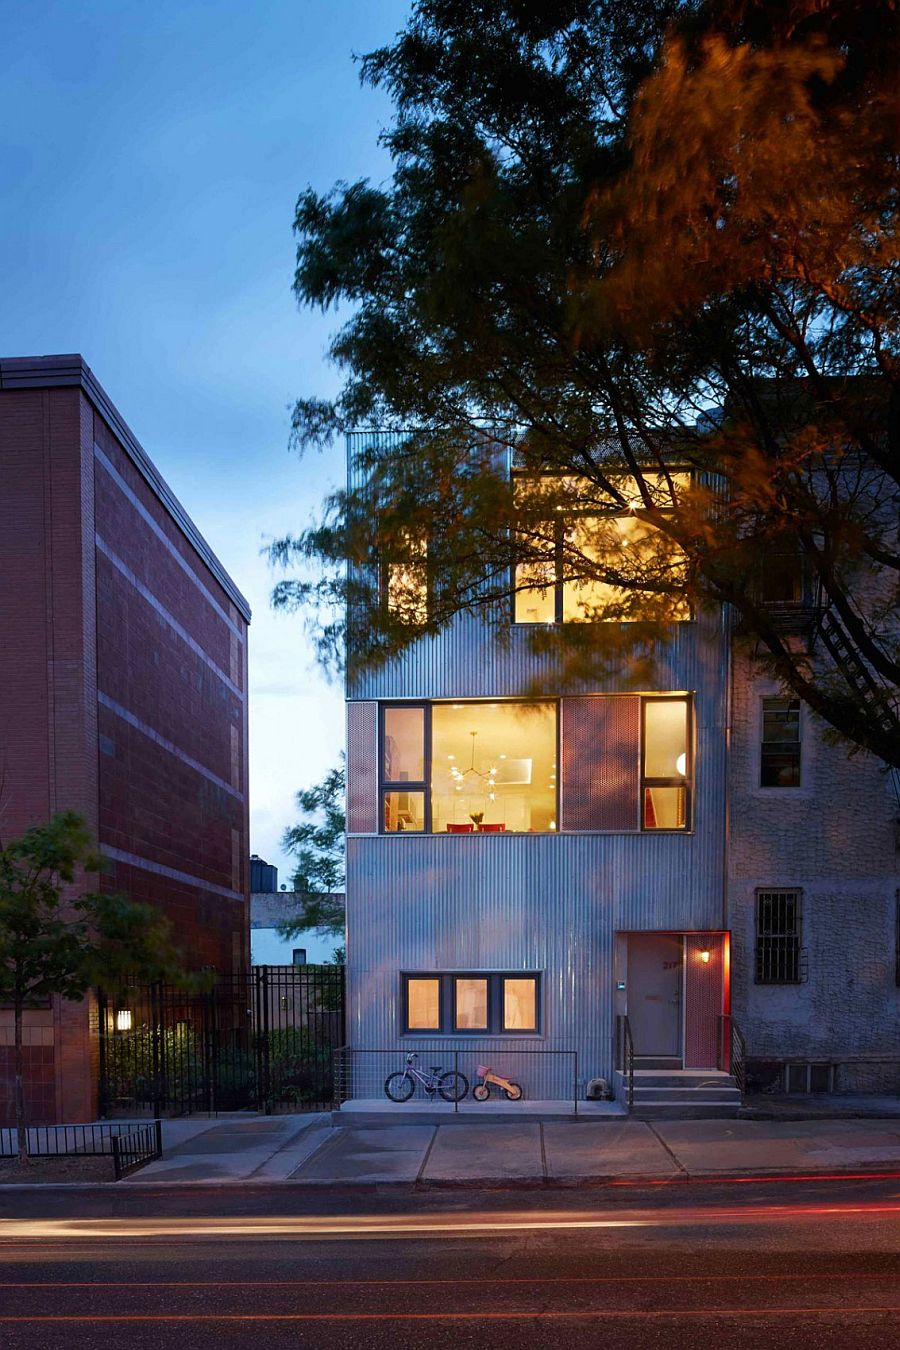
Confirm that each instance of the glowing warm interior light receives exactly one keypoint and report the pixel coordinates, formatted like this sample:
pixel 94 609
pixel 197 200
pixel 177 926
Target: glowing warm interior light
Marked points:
pixel 123 1019
pixel 681 764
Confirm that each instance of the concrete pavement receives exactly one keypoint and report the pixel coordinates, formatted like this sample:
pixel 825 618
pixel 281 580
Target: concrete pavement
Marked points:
pixel 308 1151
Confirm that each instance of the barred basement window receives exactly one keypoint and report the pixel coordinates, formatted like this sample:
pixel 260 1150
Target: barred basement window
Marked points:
pixel 778 917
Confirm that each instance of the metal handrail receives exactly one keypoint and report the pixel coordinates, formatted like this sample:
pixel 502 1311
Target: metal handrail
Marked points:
pixel 733 1052
pixel 625 1056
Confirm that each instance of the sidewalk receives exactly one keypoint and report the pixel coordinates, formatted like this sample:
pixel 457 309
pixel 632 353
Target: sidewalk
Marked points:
pixel 308 1151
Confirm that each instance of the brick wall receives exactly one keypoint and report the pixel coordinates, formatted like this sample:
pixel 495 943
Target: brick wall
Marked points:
pixel 833 838
pixel 122 696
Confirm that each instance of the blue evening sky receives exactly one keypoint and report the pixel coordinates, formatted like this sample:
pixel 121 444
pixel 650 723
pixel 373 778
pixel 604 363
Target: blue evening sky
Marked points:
pixel 150 159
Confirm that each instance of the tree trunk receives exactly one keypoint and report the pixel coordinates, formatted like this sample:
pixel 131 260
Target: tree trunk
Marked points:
pixel 21 1127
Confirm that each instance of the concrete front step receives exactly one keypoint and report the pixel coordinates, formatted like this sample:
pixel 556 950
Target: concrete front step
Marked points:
pixel 681 1094
pixel 642 1094
pixel 686 1110
pixel 685 1080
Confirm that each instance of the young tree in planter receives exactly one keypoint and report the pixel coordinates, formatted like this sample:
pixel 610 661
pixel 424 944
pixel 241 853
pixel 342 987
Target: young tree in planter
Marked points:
pixel 50 946
pixel 621 239
pixel 317 843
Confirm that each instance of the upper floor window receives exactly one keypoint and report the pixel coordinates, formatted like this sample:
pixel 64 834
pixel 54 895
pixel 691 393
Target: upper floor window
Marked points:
pixel 465 768
pixel 665 766
pixel 404 581
pixel 496 768
pixel 780 748
pixel 575 553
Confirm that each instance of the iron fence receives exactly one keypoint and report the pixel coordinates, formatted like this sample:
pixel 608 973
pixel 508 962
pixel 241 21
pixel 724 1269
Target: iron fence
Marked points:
pixel 543 1075
pixel 130 1144
pixel 261 1039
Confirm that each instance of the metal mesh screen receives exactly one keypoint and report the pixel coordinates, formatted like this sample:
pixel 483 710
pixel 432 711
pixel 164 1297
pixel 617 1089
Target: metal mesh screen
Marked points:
pixel 362 768
pixel 600 746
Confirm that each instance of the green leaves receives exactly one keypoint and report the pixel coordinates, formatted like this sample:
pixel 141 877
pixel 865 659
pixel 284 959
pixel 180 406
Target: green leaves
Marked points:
pixel 317 845
pixel 618 239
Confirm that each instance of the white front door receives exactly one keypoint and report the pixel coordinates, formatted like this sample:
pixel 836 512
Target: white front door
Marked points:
pixel 654 993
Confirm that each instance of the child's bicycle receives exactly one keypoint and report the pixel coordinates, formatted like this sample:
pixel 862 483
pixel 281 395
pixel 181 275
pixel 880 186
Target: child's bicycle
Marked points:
pixel 400 1086
pixel 481 1091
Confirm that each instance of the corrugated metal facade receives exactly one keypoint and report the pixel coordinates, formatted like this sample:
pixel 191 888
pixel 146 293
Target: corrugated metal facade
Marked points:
pixel 533 902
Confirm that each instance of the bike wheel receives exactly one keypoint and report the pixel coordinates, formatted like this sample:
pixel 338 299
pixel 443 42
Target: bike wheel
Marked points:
pixel 399 1087
pixel 513 1092
pixel 481 1092
pixel 453 1086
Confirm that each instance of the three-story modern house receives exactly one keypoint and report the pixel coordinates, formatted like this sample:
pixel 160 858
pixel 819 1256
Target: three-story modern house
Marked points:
pixel 524 873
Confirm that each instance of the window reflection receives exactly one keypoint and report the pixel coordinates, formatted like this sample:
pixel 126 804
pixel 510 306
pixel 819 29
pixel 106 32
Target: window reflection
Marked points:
pixel 520 1004
pixel 404 744
pixel 471 1004
pixel 666 767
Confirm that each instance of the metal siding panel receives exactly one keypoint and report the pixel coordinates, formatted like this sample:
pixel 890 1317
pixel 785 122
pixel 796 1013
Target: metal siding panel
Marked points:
pixel 703 998
pixel 362 768
pixel 600 762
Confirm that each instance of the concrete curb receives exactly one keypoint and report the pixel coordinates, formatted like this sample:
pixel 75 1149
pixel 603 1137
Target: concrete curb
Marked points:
pixel 885 1170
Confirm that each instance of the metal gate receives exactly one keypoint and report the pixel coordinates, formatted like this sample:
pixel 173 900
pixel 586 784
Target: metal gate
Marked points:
pixel 259 1040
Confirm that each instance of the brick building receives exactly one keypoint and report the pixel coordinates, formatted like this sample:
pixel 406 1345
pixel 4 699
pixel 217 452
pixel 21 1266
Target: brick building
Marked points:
pixel 122 691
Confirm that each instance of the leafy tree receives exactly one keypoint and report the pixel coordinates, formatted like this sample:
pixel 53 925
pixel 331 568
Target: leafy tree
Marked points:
pixel 621 239
pixel 51 946
pixel 317 844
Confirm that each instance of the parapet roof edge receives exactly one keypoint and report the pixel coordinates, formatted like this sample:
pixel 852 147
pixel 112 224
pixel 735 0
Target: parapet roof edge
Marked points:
pixel 54 372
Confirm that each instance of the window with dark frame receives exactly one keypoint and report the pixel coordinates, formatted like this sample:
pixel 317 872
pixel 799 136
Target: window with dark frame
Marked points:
pixel 470 767
pixel 541 592
pixel 779 761
pixel 469 1003
pixel 298 956
pixel 665 763
pixel 778 921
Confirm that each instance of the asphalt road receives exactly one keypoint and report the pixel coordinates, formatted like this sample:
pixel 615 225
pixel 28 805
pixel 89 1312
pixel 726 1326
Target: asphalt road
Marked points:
pixel 815 1264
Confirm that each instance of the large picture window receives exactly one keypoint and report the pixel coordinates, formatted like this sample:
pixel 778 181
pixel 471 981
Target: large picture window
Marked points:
pixel 469 768
pixel 466 1003
pixel 557 580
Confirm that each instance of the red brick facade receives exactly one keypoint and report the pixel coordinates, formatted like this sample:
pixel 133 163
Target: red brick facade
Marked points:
pixel 122 691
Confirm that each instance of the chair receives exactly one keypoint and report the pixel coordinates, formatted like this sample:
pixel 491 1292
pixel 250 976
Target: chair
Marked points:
pixel 492 829
pixel 460 829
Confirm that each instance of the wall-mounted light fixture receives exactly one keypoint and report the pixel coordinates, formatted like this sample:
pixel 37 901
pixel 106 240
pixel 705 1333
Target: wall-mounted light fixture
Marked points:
pixel 704 957
pixel 123 1019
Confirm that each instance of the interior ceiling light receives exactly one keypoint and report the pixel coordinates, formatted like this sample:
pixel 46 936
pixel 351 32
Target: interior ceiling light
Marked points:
pixel 487 776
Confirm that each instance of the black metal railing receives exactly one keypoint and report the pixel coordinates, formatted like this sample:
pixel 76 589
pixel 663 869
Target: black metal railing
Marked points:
pixel 625 1056
pixel 260 1039
pixel 732 1056
pixel 140 1145
pixel 130 1144
pixel 543 1075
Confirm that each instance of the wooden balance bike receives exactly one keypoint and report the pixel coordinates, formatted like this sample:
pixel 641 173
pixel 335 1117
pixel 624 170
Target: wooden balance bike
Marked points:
pixel 481 1091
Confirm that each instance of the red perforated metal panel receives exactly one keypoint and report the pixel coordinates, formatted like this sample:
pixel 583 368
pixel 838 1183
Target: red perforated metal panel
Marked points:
pixel 703 998
pixel 600 747
pixel 362 768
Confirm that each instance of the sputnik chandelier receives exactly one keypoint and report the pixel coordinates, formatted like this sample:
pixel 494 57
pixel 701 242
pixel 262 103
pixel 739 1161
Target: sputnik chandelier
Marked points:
pixel 487 776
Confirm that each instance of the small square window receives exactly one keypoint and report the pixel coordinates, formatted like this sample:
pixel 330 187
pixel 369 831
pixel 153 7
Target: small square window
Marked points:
pixel 520 1003
pixel 423 1004
pixel 470 1003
